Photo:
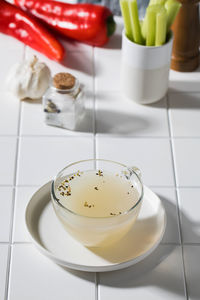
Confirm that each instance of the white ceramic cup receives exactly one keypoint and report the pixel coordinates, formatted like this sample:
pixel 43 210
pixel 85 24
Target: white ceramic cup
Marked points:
pixel 145 70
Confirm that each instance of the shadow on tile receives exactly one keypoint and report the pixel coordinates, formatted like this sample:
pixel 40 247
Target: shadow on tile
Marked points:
pixel 184 81
pixel 115 42
pixel 120 123
pixel 171 234
pixel 82 62
pixel 184 101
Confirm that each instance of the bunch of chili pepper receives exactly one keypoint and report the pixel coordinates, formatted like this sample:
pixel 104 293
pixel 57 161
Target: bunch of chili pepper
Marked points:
pixel 88 23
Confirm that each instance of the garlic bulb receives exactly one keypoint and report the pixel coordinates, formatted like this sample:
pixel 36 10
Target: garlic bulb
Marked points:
pixel 29 79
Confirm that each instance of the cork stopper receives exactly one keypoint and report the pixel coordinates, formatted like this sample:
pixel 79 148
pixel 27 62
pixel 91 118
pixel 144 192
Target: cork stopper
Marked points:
pixel 64 81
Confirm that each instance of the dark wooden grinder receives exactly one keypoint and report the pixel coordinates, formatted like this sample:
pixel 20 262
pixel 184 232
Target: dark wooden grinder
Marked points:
pixel 186 29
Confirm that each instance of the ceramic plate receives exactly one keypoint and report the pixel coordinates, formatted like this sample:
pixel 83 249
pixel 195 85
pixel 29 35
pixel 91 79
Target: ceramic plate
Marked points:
pixel 53 241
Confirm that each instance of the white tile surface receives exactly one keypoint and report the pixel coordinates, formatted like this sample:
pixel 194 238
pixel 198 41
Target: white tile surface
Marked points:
pixel 184 113
pixel 74 46
pixel 107 66
pixel 158 277
pixel 192 267
pixel 135 135
pixel 107 62
pixel 79 64
pixel 22 197
pixel 168 198
pixel 11 52
pixel 7 159
pixel 33 276
pixel 3 269
pixel 41 158
pixel 152 156
pixel 32 120
pixel 187 161
pixel 190 222
pixel 118 115
pixel 184 81
pixel 9 114
pixel 6 199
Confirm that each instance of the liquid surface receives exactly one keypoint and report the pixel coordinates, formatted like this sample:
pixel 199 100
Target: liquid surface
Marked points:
pixel 97 193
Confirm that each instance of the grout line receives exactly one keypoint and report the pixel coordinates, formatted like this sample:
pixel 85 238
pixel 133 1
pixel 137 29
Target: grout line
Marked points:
pixel 94 109
pixel 94 104
pixel 106 135
pixel 118 135
pixel 73 135
pixel 21 243
pixel 162 243
pixel 94 147
pixel 183 92
pixel 96 286
pixel 8 272
pixel 177 197
pixel 170 243
pixel 13 202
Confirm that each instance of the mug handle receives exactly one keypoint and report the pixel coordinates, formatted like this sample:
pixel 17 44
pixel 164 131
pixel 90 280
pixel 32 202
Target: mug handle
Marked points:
pixel 136 171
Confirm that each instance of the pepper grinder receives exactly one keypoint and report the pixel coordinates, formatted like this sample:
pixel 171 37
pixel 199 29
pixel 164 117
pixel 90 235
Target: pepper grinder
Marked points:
pixel 186 29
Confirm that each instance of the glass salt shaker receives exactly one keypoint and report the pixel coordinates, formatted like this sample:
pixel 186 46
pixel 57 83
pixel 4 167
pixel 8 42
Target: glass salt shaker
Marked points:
pixel 63 102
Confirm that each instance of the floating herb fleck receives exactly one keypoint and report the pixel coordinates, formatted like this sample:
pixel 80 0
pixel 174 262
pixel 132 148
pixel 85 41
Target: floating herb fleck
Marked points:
pixel 99 173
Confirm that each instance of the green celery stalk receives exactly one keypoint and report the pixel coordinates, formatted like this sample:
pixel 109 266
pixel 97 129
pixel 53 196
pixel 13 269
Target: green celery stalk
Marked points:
pixel 136 29
pixel 151 26
pixel 155 2
pixel 144 28
pixel 172 7
pixel 144 25
pixel 161 27
pixel 127 19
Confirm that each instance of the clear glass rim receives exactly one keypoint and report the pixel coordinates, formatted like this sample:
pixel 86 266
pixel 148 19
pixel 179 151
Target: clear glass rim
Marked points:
pixel 88 217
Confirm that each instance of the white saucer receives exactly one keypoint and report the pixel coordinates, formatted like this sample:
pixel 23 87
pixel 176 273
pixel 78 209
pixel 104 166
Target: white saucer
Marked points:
pixel 53 241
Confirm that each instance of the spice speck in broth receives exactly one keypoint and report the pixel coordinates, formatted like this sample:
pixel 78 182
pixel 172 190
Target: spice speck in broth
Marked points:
pixel 99 173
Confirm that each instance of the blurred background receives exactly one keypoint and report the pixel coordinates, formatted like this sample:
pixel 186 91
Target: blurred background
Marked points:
pixel 113 5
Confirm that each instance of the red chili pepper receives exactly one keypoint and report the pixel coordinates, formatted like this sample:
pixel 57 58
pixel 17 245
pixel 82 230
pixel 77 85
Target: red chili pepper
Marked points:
pixel 92 24
pixel 17 23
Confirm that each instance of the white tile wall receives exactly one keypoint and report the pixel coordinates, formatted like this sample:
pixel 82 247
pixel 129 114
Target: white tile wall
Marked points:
pixel 107 65
pixel 3 270
pixel 184 113
pixel 6 201
pixel 151 156
pixel 118 115
pixel 7 159
pixel 192 257
pixel 184 82
pixel 33 276
pixel 189 199
pixel 11 52
pixel 22 197
pixel 9 114
pixel 123 131
pixel 168 198
pixel 160 276
pixel 187 162
pixel 41 158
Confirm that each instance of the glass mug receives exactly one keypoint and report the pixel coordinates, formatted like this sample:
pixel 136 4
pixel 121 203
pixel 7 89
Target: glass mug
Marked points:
pixel 101 231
